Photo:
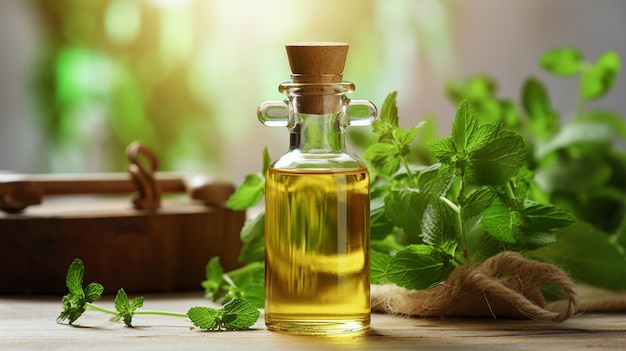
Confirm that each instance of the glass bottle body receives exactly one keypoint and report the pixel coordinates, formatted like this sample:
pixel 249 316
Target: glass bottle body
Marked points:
pixel 317 278
pixel 317 250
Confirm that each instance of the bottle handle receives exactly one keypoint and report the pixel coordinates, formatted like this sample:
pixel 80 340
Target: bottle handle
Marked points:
pixel 273 114
pixel 361 113
pixel 276 113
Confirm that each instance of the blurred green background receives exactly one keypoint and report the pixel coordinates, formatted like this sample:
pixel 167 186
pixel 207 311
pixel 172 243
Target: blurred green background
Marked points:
pixel 80 80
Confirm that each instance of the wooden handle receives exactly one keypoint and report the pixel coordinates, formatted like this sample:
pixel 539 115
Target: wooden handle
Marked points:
pixel 18 191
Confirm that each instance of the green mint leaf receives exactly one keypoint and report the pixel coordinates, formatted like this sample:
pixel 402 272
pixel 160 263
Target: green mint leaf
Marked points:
pixel 252 190
pixel 380 225
pixel 122 306
pixel 74 278
pixel 125 308
pixel 544 121
pixel 601 78
pixel 93 292
pixel 253 237
pixel 435 181
pixel 502 223
pixel 387 122
pixel 499 160
pixel 416 268
pixel 477 202
pixel 205 317
pixel 248 194
pixel 438 225
pixel 464 125
pixel 389 111
pixel 562 61
pixel 483 135
pixel 384 157
pixel 239 314
pixel 388 245
pixel 518 188
pixel 545 218
pixel 467 134
pixel 251 271
pixel 442 149
pixel 136 303
pixel 253 250
pixel 378 267
pixel 535 240
pixel 253 227
pixel 405 137
pixel 213 284
pixel 267 161
pixel 384 131
pixel 404 208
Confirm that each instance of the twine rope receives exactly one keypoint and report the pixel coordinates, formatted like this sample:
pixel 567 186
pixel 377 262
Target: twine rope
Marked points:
pixel 506 285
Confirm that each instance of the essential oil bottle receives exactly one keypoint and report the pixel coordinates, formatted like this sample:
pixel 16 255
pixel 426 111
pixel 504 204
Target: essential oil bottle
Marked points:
pixel 317 198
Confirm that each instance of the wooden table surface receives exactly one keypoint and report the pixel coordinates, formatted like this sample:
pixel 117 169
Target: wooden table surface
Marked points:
pixel 29 323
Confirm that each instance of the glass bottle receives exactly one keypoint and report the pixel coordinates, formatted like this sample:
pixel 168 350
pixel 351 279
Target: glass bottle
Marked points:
pixel 317 278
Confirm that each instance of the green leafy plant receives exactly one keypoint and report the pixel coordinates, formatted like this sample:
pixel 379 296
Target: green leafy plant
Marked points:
pixel 578 158
pixel 237 314
pixel 470 205
pixel 78 299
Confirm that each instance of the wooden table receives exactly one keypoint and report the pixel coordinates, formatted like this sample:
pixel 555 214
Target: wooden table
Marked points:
pixel 28 323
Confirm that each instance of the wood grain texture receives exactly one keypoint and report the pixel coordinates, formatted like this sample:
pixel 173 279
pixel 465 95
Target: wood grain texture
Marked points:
pixel 159 251
pixel 29 324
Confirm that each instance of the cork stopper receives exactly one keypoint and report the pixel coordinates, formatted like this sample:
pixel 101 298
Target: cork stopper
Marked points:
pixel 320 65
pixel 317 62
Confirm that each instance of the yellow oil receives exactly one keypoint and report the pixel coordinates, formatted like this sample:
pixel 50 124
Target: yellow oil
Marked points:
pixel 317 251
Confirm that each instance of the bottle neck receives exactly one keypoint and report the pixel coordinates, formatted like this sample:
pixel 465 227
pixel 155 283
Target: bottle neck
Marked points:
pixel 317 133
pixel 317 116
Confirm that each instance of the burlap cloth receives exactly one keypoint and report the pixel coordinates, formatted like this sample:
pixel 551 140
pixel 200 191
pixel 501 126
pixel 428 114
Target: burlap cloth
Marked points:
pixel 504 286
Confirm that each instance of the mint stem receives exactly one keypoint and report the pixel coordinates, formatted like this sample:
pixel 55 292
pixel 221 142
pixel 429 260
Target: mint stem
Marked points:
pixel 162 313
pixel 405 162
pixel 98 308
pixel 156 313
pixel 580 99
pixel 408 171
pixel 460 223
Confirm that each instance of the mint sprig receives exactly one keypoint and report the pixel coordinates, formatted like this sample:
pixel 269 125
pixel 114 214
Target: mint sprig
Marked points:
pixel 393 146
pixel 239 313
pixel 77 300
pixel 127 308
